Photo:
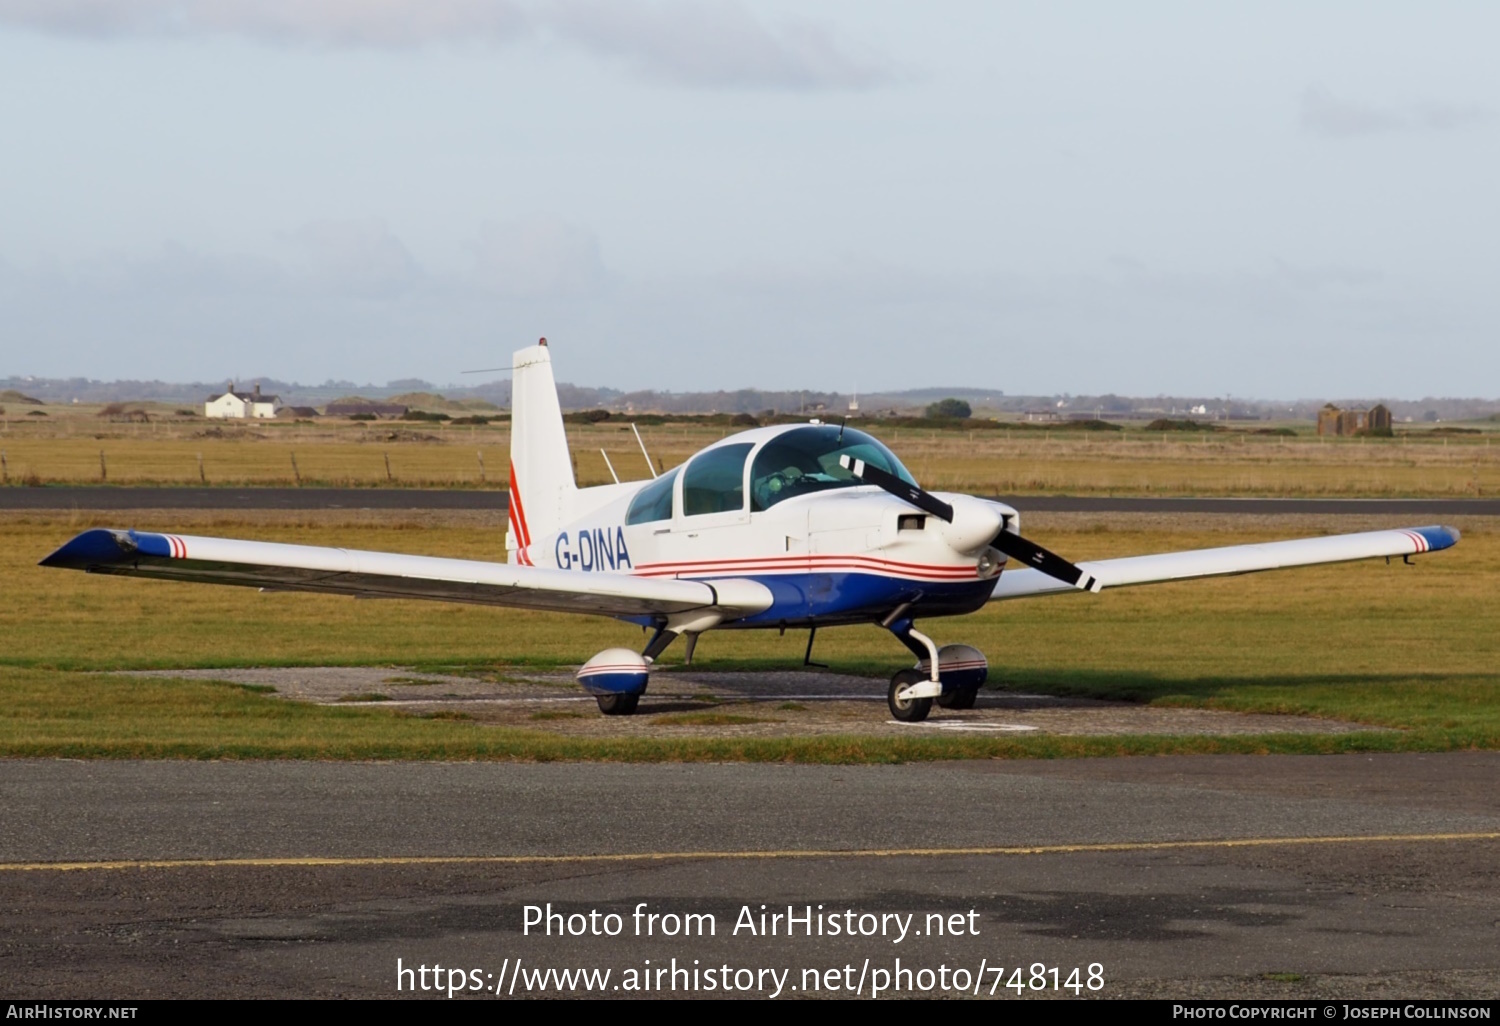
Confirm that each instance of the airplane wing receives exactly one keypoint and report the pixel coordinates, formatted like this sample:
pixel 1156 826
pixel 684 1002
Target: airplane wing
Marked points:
pixel 1231 559
pixel 278 567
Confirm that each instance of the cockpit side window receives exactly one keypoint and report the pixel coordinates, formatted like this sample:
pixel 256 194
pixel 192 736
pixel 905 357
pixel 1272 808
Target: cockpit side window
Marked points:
pixel 715 481
pixel 653 502
pixel 806 460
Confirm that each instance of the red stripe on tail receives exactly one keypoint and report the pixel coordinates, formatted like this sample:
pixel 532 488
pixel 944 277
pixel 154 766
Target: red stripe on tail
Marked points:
pixel 518 511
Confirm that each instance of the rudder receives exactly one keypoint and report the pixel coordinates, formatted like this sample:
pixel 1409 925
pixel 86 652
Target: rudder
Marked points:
pixel 541 467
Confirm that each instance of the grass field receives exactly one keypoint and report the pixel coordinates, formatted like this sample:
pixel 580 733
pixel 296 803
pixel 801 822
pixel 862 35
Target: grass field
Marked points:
pixel 1393 646
pixel 68 450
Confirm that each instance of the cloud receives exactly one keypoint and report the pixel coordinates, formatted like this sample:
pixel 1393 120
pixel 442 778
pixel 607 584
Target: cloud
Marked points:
pixel 357 258
pixel 715 44
pixel 538 258
pixel 1444 117
pixel 390 23
pixel 1326 115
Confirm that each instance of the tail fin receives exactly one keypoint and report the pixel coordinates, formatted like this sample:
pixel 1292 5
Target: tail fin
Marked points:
pixel 541 468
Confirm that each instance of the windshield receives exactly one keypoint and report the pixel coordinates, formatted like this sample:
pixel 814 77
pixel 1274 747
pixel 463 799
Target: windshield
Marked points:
pixel 806 460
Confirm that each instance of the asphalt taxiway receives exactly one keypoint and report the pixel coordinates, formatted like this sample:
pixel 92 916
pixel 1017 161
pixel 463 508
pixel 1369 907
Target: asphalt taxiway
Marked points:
pixel 1212 876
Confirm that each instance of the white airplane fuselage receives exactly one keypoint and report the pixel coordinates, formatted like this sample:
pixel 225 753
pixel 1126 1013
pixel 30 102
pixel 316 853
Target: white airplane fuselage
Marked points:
pixel 847 553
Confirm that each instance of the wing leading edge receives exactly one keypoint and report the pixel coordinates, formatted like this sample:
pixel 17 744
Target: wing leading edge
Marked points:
pixel 1233 559
pixel 355 572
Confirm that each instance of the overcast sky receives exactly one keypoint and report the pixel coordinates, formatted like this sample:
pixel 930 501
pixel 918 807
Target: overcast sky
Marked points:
pixel 1259 199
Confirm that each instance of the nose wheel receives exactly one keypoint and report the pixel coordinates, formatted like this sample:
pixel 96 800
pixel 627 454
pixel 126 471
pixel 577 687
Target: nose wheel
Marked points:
pixel 907 710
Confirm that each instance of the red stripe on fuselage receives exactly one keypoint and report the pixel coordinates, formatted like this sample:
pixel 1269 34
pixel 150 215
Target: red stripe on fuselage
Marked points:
pixel 807 564
pixel 801 557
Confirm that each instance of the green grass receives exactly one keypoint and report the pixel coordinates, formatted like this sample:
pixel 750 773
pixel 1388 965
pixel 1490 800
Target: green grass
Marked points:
pixel 1411 648
pixel 55 714
pixel 709 719
pixel 87 715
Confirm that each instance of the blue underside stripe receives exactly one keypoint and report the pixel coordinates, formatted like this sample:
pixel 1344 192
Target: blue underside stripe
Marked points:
pixel 629 683
pixel 804 596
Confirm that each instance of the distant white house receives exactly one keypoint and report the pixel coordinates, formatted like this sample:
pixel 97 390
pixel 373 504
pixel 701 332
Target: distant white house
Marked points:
pixel 244 405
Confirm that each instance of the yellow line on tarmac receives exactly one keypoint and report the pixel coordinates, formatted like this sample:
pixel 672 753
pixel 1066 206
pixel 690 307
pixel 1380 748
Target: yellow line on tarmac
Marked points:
pixel 659 856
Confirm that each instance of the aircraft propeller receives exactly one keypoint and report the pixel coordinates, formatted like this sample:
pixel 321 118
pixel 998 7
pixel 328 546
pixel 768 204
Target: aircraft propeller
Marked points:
pixel 1013 545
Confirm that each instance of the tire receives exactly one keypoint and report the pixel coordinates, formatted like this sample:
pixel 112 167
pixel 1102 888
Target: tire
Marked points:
pixel 961 698
pixel 618 705
pixel 913 710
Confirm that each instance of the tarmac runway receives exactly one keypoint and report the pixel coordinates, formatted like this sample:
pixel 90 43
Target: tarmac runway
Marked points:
pixel 107 498
pixel 1277 876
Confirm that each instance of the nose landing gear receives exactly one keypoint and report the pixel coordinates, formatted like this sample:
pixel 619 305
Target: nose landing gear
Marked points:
pixel 900 697
pixel 951 675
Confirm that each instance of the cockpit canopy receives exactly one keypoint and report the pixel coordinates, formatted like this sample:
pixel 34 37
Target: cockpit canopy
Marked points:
pixel 806 460
pixel 801 461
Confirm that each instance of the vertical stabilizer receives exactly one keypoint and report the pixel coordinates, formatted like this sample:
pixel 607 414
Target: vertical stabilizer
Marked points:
pixel 541 468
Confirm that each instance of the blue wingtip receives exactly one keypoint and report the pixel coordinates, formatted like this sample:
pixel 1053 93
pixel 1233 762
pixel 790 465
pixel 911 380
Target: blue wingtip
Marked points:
pixel 104 545
pixel 1439 537
pixel 91 548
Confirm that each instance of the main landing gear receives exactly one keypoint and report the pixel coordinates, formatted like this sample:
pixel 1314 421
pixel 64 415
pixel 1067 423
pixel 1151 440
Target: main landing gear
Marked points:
pixel 618 705
pixel 951 675
pixel 617 677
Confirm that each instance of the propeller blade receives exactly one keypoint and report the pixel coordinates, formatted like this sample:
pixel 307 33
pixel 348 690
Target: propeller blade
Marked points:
pixel 1049 563
pixel 897 487
pixel 1013 545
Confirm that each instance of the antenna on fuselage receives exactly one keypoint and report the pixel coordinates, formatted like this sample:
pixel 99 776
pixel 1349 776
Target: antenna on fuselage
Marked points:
pixel 610 465
pixel 649 465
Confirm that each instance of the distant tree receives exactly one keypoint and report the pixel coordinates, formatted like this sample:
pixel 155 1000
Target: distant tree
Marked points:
pixel 955 409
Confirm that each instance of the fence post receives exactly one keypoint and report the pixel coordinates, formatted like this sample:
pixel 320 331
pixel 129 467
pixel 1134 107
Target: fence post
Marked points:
pixel 103 471
pixel 482 478
pixel 295 472
pixel 387 466
pixel 201 478
pixel 4 468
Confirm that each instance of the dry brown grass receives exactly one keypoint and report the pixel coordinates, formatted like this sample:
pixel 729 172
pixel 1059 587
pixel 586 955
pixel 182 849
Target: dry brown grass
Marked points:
pixel 66 450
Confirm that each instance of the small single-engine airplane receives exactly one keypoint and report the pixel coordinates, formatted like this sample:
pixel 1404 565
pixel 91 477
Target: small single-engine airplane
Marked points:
pixel 804 525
